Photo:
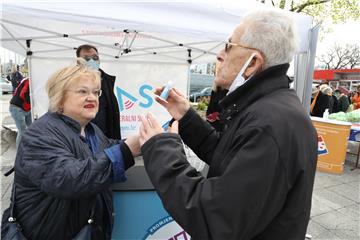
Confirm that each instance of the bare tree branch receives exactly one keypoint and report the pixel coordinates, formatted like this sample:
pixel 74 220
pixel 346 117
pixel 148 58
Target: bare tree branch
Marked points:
pixel 341 56
pixel 300 7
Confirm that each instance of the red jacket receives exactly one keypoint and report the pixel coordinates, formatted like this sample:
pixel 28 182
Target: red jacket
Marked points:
pixel 356 100
pixel 21 95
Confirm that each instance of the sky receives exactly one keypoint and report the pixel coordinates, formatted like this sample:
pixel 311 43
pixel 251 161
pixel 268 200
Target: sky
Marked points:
pixel 342 33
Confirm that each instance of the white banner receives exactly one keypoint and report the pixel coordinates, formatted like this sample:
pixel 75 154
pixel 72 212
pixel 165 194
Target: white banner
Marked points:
pixel 134 87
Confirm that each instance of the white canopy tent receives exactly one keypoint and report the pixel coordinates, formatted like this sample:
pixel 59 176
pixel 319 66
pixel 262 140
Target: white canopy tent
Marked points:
pixel 144 44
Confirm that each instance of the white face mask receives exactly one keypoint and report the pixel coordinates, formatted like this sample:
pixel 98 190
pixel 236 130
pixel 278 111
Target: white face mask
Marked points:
pixel 240 80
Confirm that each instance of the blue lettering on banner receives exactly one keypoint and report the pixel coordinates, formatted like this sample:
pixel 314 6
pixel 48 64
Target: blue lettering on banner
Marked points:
pixel 162 222
pixel 126 100
pixel 146 96
pixel 129 99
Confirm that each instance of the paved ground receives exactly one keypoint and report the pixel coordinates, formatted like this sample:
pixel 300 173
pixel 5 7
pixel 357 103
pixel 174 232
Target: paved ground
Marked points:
pixel 336 199
pixel 336 204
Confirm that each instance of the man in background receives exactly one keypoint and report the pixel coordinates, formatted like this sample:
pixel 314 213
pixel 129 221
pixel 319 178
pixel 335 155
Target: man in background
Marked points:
pixel 108 116
pixel 343 101
pixel 15 77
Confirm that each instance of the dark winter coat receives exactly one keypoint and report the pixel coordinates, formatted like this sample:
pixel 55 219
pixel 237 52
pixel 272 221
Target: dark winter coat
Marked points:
pixel 333 104
pixel 262 166
pixel 108 118
pixel 60 175
pixel 343 103
pixel 322 103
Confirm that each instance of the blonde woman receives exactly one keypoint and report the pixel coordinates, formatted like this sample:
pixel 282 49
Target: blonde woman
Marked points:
pixel 65 164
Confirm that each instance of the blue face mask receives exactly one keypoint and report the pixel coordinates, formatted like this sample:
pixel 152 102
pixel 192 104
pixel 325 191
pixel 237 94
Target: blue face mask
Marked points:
pixel 92 64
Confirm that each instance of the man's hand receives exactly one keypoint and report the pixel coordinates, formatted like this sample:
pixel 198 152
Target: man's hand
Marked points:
pixel 149 127
pixel 174 128
pixel 176 104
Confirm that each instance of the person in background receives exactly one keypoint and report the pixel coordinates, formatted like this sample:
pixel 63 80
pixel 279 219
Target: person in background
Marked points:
pixel 108 117
pixel 214 109
pixel 350 96
pixel 314 91
pixel 328 91
pixel 15 77
pixel 20 108
pixel 321 101
pixel 356 98
pixel 65 164
pixel 262 165
pixel 334 103
pixel 343 101
pixel 8 76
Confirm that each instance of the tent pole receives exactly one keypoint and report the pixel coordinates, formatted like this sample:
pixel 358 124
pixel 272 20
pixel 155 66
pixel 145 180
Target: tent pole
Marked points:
pixel 28 57
pixel 313 36
pixel 172 45
pixel 60 35
pixel 175 43
pixel 32 27
pixel 54 50
pixel 189 61
pixel 12 36
pixel 51 32
pixel 53 44
pixel 188 82
pixel 208 52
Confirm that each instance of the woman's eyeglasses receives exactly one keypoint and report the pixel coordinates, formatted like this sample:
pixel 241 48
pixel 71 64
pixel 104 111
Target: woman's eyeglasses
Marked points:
pixel 83 92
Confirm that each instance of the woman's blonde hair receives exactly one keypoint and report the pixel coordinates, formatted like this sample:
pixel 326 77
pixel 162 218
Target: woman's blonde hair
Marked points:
pixel 58 83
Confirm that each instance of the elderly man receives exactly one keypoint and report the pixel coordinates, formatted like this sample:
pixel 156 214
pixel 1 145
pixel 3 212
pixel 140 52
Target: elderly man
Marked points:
pixel 262 164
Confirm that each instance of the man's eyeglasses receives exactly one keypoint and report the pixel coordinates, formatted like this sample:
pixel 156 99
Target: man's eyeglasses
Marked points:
pixel 95 58
pixel 229 44
pixel 83 92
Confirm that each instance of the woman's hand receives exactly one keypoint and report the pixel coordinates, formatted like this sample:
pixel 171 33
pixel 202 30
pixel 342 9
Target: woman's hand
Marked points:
pixel 132 142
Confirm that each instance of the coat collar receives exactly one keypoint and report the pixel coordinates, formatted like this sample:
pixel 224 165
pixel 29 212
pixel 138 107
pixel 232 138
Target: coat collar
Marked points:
pixel 259 85
pixel 106 76
pixel 75 125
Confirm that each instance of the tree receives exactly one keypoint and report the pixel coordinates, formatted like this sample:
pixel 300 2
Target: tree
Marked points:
pixel 338 11
pixel 341 56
